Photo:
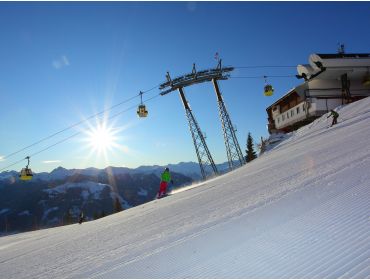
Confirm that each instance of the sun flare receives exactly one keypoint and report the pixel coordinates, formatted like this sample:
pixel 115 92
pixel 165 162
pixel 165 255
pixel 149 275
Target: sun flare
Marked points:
pixel 103 143
pixel 102 138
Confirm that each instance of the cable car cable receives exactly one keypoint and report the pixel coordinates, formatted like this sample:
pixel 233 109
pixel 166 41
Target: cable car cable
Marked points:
pixel 271 66
pixel 75 134
pixel 76 124
pixel 123 102
pixel 261 77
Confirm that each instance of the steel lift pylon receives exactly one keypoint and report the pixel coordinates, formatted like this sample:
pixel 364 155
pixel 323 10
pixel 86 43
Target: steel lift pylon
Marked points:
pixel 204 156
pixel 234 154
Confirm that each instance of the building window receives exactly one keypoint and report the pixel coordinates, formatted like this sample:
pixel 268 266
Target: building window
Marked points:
pixel 292 113
pixel 297 110
pixel 304 109
pixel 287 115
pixel 283 117
pixel 278 119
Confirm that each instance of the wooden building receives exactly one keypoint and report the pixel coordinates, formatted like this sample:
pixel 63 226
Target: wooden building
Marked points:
pixel 330 80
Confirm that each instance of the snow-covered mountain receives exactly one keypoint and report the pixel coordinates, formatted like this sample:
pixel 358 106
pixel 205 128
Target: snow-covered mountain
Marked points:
pixel 190 169
pixel 301 210
pixel 57 198
pixel 8 175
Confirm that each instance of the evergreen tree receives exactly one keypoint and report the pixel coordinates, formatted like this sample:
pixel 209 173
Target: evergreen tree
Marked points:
pixel 117 206
pixel 251 154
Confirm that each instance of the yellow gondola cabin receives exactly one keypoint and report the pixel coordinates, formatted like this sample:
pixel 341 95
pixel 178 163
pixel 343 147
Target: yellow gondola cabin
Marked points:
pixel 141 111
pixel 26 173
pixel 269 90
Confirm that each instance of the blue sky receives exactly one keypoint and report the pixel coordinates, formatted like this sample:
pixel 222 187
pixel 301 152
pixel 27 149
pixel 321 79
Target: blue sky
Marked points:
pixel 63 62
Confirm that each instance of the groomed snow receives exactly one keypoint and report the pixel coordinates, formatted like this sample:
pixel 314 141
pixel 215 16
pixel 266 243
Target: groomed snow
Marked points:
pixel 302 210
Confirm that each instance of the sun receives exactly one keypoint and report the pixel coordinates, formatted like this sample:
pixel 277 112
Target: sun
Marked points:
pixel 103 142
pixel 101 138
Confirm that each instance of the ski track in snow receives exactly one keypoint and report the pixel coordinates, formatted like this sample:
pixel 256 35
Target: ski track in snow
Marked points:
pixel 269 254
pixel 301 210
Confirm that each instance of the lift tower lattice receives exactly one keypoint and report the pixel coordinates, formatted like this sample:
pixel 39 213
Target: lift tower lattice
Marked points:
pixel 234 154
pixel 203 154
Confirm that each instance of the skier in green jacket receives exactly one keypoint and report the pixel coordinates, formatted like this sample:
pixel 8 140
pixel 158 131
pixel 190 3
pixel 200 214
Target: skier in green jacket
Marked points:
pixel 165 179
pixel 335 117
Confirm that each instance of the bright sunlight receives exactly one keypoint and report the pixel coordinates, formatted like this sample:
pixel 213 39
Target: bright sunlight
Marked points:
pixel 104 142
pixel 102 138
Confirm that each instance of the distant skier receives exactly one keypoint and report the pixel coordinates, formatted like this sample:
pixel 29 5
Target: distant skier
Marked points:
pixel 335 116
pixel 81 218
pixel 165 179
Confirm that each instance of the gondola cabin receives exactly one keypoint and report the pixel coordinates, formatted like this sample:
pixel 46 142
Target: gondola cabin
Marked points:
pixel 26 174
pixel 141 111
pixel 268 90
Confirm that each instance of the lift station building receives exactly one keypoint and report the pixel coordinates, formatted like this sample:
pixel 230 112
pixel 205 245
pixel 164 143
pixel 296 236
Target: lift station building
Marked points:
pixel 330 80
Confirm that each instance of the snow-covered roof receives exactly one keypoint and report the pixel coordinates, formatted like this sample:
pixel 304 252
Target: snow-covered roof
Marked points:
pixel 332 66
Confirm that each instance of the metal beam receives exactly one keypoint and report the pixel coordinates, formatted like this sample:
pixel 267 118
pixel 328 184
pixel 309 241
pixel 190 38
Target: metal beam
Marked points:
pixel 204 156
pixel 234 154
pixel 195 77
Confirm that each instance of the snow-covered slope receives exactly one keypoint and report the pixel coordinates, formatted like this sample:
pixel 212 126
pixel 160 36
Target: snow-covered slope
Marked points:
pixel 301 210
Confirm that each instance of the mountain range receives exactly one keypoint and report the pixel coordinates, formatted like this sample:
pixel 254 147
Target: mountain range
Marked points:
pixel 57 198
